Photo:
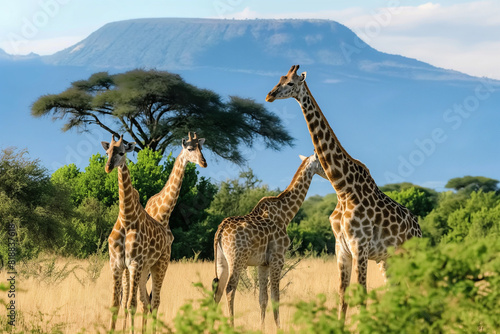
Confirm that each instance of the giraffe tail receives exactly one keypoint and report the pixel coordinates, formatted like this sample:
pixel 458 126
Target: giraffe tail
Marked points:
pixel 215 285
pixel 215 282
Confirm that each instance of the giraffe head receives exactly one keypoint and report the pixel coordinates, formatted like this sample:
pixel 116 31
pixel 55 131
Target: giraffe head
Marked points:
pixel 314 165
pixel 116 151
pixel 288 86
pixel 191 149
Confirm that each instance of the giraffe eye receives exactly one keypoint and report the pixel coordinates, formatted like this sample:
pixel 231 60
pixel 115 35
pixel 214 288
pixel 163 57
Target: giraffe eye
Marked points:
pixel 290 84
pixel 121 153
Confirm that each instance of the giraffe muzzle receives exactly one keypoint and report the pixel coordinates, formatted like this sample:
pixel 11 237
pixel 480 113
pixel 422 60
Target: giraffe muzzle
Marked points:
pixel 271 96
pixel 108 168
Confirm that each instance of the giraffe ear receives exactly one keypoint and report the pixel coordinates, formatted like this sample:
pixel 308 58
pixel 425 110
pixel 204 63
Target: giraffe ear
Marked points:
pixel 302 157
pixel 183 142
pixel 303 76
pixel 201 141
pixel 105 145
pixel 129 147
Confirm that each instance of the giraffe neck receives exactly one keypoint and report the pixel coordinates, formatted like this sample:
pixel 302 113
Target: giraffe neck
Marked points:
pixel 293 196
pixel 287 204
pixel 162 204
pixel 342 170
pixel 128 196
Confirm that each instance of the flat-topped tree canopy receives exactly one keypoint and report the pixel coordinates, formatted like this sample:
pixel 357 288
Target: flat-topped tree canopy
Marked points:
pixel 157 108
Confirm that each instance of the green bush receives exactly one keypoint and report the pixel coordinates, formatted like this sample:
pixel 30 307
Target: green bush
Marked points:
pixel 416 200
pixel 29 201
pixel 451 288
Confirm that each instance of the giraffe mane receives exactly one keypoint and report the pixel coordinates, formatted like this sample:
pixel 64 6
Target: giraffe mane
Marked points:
pixel 356 161
pixel 283 193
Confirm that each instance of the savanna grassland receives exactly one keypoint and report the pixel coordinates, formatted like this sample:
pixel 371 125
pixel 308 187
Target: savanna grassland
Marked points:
pixel 75 303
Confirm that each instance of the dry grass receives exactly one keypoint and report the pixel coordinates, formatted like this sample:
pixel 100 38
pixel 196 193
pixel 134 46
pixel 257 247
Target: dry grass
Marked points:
pixel 78 305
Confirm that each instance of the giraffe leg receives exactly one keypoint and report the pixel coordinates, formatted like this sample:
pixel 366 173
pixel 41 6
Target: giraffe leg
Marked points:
pixel 222 274
pixel 275 290
pixel 232 284
pixel 144 299
pixel 134 274
pixel 158 275
pixel 360 266
pixel 344 264
pixel 263 296
pixel 125 294
pixel 115 302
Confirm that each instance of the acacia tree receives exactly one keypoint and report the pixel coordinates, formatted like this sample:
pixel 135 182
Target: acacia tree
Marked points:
pixel 473 183
pixel 158 108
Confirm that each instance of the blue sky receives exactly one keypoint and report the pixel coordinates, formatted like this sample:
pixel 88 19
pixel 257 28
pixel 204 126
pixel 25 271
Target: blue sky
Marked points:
pixel 460 35
pixel 463 35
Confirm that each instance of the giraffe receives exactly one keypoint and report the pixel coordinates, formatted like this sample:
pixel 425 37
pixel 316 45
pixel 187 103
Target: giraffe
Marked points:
pixel 161 205
pixel 365 222
pixel 260 239
pixel 137 243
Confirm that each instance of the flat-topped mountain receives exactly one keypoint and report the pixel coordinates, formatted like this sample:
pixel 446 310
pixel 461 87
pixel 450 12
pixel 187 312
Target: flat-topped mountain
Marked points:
pixel 241 45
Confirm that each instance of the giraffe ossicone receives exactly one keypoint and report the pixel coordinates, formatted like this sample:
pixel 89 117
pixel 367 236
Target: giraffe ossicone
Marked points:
pixel 365 222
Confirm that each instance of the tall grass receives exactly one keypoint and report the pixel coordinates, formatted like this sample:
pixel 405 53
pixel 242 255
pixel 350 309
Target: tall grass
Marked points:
pixel 71 296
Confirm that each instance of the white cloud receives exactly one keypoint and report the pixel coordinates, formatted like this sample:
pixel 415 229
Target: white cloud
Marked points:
pixel 42 46
pixel 463 37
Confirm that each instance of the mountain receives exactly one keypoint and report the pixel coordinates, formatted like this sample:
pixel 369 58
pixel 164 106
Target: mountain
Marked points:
pixel 244 45
pixel 6 56
pixel 405 119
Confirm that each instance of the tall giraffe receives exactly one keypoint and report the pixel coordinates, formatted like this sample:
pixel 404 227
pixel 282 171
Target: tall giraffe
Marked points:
pixel 260 239
pixel 161 205
pixel 366 222
pixel 137 244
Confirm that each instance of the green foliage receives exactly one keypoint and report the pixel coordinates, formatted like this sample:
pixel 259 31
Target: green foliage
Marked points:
pixel 451 288
pixel 94 182
pixel 238 197
pixel 158 108
pixel 148 174
pixel 459 216
pixel 204 316
pixel 435 224
pixel 477 218
pixel 90 228
pixel 469 184
pixel 311 226
pixel 416 200
pixel 37 208
pixel 316 317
